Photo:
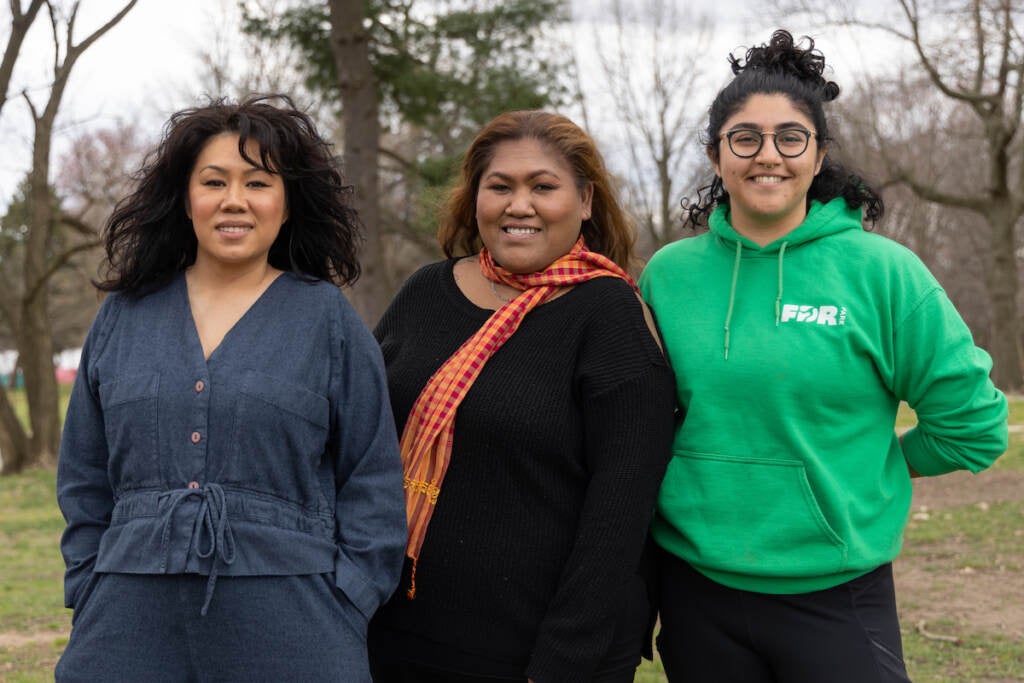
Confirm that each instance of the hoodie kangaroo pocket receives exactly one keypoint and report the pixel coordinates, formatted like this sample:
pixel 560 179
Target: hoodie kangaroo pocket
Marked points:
pixel 741 513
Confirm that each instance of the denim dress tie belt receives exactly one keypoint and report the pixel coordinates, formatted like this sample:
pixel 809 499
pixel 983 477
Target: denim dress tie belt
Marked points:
pixel 211 526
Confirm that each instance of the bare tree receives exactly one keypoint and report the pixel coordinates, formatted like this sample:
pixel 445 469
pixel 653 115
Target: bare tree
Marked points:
pixel 971 54
pixel 12 435
pixel 27 311
pixel 91 177
pixel 21 22
pixel 241 64
pixel 652 68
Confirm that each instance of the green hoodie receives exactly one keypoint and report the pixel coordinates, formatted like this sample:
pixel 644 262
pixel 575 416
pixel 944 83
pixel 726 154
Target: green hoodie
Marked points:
pixel 787 475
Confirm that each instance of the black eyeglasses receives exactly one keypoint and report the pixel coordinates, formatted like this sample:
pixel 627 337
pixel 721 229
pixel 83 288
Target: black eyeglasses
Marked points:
pixel 790 142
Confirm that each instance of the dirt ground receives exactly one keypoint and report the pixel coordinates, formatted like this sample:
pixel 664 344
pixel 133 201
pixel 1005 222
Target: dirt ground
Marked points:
pixel 11 640
pixel 990 599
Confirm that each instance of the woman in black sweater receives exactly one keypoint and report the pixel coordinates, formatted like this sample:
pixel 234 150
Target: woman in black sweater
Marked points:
pixel 542 417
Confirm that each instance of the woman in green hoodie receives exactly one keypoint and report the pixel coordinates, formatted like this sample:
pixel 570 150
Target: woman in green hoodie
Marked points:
pixel 794 335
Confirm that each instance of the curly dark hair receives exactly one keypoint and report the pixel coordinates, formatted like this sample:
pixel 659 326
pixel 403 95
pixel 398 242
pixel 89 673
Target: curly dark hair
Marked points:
pixel 148 238
pixel 783 67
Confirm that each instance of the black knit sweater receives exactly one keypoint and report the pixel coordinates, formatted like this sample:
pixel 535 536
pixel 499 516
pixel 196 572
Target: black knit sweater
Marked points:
pixel 559 448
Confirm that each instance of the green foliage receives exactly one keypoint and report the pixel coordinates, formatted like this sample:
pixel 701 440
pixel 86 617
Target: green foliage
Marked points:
pixel 307 27
pixel 467 65
pixel 445 72
pixel 436 171
pixel 15 224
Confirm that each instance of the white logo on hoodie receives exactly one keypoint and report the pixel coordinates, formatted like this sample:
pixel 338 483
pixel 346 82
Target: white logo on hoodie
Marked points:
pixel 822 315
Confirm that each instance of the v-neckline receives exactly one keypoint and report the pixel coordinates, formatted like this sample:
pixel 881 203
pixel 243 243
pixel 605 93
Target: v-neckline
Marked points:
pixel 194 328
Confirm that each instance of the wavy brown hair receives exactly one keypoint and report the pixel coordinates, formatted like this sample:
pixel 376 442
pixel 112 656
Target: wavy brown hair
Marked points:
pixel 608 231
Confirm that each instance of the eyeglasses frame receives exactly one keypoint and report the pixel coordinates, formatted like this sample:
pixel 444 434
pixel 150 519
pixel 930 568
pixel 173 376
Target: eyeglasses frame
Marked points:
pixel 775 140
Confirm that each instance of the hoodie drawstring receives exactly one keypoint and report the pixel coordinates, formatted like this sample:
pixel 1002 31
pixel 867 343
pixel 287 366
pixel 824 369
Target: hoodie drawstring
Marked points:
pixel 778 297
pixel 732 289
pixel 732 294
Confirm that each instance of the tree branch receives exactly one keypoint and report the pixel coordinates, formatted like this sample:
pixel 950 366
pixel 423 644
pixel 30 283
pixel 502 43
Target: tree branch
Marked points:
pixel 58 263
pixel 404 163
pixel 974 203
pixel 20 24
pixel 95 35
pixel 77 224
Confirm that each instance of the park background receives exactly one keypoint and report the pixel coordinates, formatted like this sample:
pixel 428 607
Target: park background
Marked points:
pixel 931 112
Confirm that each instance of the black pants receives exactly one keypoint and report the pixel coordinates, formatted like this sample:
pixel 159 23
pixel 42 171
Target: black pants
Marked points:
pixel 714 634
pixel 391 662
pixel 405 672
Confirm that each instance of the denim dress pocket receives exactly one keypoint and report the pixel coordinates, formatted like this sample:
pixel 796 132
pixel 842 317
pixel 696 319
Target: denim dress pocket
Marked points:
pixel 84 593
pixel 130 421
pixel 350 613
pixel 279 438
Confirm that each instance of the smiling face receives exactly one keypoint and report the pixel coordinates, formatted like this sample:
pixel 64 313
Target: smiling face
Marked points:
pixel 767 192
pixel 236 208
pixel 529 208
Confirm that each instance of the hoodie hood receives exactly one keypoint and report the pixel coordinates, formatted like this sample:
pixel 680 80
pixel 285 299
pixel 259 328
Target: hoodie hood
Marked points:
pixel 821 221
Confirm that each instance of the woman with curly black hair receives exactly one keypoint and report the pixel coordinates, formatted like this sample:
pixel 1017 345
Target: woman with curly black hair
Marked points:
pixel 229 470
pixel 794 334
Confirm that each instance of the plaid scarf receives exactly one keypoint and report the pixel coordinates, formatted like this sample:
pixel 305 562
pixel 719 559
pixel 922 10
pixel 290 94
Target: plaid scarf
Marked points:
pixel 427 438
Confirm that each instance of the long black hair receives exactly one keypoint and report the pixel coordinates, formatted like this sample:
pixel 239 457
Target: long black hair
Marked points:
pixel 783 67
pixel 148 238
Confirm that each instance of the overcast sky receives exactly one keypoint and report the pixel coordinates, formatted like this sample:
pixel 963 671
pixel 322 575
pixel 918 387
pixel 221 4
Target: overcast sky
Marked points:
pixel 146 67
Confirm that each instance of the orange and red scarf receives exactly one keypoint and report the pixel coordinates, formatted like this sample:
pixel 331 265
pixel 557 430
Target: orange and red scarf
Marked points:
pixel 427 438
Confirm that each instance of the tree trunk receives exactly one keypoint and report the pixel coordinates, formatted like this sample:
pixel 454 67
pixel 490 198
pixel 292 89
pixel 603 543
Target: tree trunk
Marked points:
pixel 33 336
pixel 358 87
pixel 35 353
pixel 1002 290
pixel 14 452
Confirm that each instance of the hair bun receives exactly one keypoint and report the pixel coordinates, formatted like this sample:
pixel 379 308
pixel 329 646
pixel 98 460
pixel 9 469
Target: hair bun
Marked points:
pixel 782 55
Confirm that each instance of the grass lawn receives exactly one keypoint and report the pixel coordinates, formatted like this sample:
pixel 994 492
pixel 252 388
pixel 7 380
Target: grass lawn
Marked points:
pixel 950 634
pixel 21 405
pixel 33 621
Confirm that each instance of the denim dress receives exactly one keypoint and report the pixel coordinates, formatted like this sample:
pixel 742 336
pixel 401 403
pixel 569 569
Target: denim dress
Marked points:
pixel 261 485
